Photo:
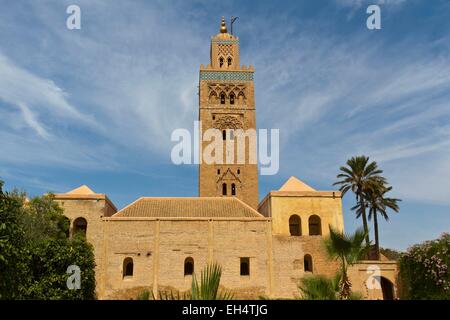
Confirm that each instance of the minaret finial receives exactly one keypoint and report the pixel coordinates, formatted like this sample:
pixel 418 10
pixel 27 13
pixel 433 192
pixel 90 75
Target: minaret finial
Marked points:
pixel 223 26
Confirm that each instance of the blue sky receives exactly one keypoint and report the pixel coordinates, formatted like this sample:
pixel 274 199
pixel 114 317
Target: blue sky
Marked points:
pixel 97 106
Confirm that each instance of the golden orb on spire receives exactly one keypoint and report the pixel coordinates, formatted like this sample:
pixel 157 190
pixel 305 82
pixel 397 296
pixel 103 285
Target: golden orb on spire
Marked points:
pixel 223 26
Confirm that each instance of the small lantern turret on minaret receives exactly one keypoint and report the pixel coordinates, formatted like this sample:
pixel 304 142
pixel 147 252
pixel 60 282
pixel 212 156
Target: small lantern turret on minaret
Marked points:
pixel 223 26
pixel 224 49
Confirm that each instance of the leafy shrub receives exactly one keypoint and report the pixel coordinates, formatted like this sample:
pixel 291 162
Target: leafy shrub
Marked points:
pixel 35 251
pixel 391 254
pixel 424 270
pixel 207 289
pixel 319 287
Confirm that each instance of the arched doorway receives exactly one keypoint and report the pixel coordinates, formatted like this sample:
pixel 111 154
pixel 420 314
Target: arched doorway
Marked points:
pixel 388 289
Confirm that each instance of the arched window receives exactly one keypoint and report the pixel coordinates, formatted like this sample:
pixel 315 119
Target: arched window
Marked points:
pixel 224 134
pixel 295 226
pixel 222 98
pixel 213 97
pixel 233 189
pixel 315 228
pixel 224 189
pixel 127 267
pixel 80 226
pixel 218 171
pixel 239 171
pixel 232 98
pixel 307 263
pixel 229 61
pixel 188 266
pixel 241 97
pixel 221 62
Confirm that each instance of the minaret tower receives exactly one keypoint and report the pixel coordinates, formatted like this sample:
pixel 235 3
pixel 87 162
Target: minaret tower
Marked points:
pixel 226 101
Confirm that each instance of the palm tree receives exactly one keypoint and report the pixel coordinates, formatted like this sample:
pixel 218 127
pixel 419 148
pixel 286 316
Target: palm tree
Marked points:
pixel 208 289
pixel 209 285
pixel 319 287
pixel 348 249
pixel 379 203
pixel 358 176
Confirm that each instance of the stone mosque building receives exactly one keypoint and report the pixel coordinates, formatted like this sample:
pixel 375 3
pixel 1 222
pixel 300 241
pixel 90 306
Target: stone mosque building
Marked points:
pixel 156 243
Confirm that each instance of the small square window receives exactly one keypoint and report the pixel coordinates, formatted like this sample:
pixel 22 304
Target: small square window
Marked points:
pixel 245 266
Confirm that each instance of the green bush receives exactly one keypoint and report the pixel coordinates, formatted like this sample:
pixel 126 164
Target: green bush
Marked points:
pixel 35 251
pixel 319 287
pixel 424 270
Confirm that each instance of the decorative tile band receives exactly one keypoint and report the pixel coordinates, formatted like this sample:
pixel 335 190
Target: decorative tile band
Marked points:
pixel 225 41
pixel 226 75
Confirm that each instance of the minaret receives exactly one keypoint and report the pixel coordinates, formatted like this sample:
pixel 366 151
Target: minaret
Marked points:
pixel 226 101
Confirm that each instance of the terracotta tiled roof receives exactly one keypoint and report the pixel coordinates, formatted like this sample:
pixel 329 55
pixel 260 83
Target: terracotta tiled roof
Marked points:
pixel 204 207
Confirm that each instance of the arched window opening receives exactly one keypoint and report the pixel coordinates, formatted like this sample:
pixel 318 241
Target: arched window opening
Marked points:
pixel 224 189
pixel 232 98
pixel 241 97
pixel 295 228
pixel 221 62
pixel 315 228
pixel 238 171
pixel 229 61
pixel 218 171
pixel 213 97
pixel 233 189
pixel 222 98
pixel 245 266
pixel 80 226
pixel 188 266
pixel 224 134
pixel 127 267
pixel 307 263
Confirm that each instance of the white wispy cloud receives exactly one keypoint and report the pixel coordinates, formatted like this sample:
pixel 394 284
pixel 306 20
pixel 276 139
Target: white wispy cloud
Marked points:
pixel 27 90
pixel 31 120
pixel 128 82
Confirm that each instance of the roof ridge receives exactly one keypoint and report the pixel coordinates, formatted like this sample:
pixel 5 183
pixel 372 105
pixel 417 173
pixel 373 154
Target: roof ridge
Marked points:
pixel 248 207
pixel 188 207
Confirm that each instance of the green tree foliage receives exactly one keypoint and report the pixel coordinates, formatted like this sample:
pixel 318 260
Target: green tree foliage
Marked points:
pixel 35 250
pixel 319 287
pixel 347 249
pixel 14 249
pixel 424 270
pixel 206 289
pixel 391 254
pixel 358 176
pixel 379 204
pixel 49 262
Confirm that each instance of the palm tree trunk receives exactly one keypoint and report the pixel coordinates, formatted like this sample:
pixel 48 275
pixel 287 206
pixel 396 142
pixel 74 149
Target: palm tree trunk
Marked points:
pixel 364 218
pixel 375 227
pixel 345 285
